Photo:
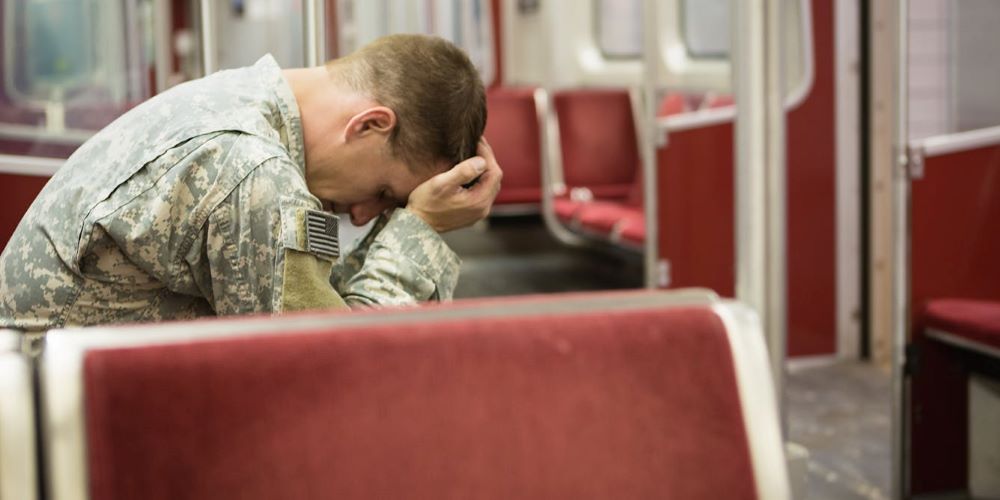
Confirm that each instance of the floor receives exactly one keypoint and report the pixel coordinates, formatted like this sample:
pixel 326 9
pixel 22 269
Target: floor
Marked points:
pixel 839 412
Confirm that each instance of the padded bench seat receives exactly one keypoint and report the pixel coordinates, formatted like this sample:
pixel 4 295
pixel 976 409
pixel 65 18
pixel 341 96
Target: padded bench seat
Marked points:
pixel 973 324
pixel 605 395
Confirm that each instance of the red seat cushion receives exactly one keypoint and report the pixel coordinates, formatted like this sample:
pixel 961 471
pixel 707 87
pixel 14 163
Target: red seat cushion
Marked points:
pixel 602 216
pixel 633 403
pixel 974 320
pixel 672 104
pixel 566 209
pixel 633 229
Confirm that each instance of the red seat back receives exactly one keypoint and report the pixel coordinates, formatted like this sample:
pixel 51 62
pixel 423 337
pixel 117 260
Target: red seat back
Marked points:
pixel 598 140
pixel 595 396
pixel 512 131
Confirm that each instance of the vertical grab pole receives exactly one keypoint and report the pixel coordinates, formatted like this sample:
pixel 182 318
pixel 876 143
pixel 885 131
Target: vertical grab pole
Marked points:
pixel 900 256
pixel 209 64
pixel 761 268
pixel 314 32
pixel 650 141
pixel 162 16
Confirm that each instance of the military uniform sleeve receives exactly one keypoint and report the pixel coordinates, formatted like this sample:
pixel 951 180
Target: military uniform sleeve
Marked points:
pixel 401 261
pixel 255 249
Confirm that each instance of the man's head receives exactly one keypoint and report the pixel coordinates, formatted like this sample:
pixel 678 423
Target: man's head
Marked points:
pixel 407 107
pixel 432 87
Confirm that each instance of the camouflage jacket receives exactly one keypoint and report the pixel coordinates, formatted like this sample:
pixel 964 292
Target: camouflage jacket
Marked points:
pixel 193 204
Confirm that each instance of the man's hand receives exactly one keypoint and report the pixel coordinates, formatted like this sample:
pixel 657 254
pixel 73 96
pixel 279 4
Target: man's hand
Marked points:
pixel 444 204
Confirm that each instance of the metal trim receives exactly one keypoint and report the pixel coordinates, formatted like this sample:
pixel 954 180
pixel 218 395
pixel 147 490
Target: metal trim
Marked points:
pixel 758 399
pixel 552 179
pixel 650 138
pixel 941 145
pixel 962 342
pixel 30 165
pixel 209 52
pixel 761 267
pixel 901 256
pixel 314 32
pixel 18 455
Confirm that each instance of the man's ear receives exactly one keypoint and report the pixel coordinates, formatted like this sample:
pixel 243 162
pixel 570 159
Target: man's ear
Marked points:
pixel 378 120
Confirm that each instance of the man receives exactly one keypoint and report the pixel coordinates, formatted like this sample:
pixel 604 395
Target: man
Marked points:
pixel 215 197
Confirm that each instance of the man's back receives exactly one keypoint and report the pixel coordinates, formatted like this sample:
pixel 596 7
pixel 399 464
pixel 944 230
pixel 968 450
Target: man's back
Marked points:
pixel 119 232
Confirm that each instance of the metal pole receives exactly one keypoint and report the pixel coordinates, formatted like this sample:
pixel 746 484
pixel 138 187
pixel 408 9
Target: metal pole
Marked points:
pixel 760 173
pixel 314 32
pixel 900 254
pixel 161 43
pixel 209 64
pixel 648 134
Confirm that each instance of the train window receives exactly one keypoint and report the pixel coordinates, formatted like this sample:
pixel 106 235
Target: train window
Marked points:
pixel 466 23
pixel 705 24
pixel 248 29
pixel 71 66
pixel 619 28
pixel 951 70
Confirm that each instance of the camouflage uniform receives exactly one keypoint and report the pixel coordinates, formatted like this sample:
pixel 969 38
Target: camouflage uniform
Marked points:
pixel 193 204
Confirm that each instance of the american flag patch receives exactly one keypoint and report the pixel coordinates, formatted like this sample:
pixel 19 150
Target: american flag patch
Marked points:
pixel 321 234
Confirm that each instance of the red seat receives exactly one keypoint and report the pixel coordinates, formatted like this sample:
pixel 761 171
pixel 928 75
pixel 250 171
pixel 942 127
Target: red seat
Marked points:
pixel 600 155
pixel 566 209
pixel 580 396
pixel 598 141
pixel 672 104
pixel 971 320
pixel 512 131
pixel 718 101
pixel 633 229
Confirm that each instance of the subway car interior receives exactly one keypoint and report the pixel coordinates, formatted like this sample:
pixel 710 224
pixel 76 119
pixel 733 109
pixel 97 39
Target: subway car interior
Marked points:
pixel 743 249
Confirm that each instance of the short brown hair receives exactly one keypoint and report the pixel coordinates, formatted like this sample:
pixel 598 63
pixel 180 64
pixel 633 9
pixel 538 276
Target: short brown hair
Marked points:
pixel 433 88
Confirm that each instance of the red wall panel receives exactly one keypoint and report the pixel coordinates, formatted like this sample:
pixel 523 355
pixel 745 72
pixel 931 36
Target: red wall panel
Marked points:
pixel 18 193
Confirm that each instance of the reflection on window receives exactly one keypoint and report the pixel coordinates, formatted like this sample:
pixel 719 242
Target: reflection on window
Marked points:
pixel 466 23
pixel 706 27
pixel 71 64
pixel 619 28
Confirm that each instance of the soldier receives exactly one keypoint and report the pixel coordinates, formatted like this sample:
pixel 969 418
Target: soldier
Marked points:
pixel 215 197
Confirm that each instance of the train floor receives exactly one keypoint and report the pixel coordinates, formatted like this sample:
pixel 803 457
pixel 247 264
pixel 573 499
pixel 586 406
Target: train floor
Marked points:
pixel 839 411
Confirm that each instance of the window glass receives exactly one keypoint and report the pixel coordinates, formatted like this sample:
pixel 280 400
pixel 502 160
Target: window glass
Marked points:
pixel 619 28
pixel 69 67
pixel 466 23
pixel 706 27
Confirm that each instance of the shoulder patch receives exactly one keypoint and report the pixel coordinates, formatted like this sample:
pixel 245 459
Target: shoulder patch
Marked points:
pixel 322 237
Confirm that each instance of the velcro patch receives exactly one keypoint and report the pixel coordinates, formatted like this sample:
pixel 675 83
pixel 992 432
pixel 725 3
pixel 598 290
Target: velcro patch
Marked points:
pixel 321 234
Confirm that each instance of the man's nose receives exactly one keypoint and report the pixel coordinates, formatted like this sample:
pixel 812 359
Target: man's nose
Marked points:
pixel 362 213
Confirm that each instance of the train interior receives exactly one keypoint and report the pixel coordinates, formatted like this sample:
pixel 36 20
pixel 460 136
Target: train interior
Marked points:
pixel 687 326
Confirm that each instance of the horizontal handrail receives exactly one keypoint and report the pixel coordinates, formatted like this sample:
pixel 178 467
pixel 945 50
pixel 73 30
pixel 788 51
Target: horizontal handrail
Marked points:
pixel 29 165
pixel 70 136
pixel 940 145
pixel 953 143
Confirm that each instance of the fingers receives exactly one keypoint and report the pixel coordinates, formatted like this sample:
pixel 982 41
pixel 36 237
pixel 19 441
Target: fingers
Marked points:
pixel 463 173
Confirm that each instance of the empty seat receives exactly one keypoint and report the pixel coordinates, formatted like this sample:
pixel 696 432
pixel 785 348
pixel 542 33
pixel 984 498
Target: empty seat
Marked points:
pixel 512 130
pixel 610 395
pixel 973 324
pixel 600 155
pixel 598 141
pixel 673 103
pixel 713 101
pixel 18 474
